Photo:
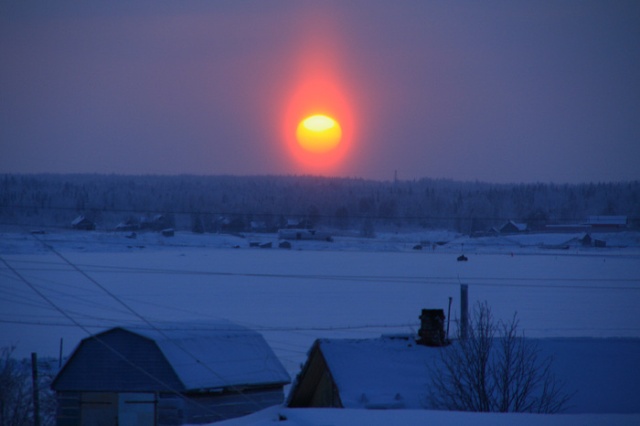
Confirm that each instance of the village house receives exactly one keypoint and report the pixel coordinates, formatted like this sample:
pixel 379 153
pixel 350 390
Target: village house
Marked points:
pixel 394 372
pixel 177 375
pixel 512 227
pixel 385 373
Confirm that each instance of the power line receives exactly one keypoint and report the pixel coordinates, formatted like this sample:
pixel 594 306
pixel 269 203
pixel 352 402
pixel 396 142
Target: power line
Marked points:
pixel 245 213
pixel 141 317
pixel 96 338
pixel 484 281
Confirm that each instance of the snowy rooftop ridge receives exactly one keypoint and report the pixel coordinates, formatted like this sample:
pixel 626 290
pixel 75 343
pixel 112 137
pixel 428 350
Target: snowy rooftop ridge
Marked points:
pixel 216 354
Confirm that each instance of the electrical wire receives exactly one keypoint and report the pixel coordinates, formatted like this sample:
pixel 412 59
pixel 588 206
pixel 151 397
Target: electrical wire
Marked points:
pixel 485 281
pixel 102 342
pixel 232 388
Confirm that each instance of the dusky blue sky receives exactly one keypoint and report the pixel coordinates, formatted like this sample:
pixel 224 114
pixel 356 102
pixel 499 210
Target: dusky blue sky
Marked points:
pixel 498 91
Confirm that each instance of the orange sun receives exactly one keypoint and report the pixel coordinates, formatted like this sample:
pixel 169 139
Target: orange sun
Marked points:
pixel 319 134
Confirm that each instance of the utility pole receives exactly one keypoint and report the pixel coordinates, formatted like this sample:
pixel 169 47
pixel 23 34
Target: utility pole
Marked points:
pixel 36 390
pixel 60 354
pixel 449 317
pixel 464 310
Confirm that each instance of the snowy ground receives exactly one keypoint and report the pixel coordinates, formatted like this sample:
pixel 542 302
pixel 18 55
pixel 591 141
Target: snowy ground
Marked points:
pixel 278 416
pixel 351 287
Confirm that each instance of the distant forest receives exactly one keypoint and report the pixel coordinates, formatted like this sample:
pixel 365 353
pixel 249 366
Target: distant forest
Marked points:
pixel 235 203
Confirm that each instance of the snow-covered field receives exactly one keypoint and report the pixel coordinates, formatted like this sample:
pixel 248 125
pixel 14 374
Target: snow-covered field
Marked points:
pixel 351 287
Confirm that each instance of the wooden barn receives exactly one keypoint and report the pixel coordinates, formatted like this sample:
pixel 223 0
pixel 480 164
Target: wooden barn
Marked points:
pixel 178 375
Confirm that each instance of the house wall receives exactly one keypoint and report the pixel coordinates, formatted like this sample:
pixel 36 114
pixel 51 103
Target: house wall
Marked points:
pixel 315 386
pixel 207 408
pixel 325 394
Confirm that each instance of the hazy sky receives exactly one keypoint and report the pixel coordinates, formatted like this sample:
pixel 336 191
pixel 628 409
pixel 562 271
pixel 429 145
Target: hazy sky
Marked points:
pixel 499 91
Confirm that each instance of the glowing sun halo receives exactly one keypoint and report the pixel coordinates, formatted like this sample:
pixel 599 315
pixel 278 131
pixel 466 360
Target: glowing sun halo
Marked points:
pixel 319 134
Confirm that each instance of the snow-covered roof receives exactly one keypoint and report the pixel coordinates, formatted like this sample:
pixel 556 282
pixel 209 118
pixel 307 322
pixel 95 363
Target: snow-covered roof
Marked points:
pixel 521 227
pixel 395 373
pixel 216 355
pixel 380 373
pixel 78 220
pixel 607 220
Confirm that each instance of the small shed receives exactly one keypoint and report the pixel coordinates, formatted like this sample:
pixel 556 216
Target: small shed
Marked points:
pixel 177 375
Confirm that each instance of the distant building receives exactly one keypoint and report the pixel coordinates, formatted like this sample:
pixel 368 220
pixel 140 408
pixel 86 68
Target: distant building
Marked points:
pixel 258 226
pixel 304 234
pixel 567 228
pixel 170 377
pixel 82 223
pixel 607 223
pixel 297 224
pixel 592 224
pixel 128 225
pixel 156 223
pixel 512 227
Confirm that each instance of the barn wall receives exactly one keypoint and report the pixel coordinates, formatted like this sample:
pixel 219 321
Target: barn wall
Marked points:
pixel 209 408
pixel 106 409
pixel 68 409
pixel 170 411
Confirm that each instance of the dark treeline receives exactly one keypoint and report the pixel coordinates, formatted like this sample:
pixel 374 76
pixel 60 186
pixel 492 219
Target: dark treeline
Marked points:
pixel 343 203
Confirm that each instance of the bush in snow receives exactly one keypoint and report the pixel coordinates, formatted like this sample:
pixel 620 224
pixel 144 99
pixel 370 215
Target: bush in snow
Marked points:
pixel 16 391
pixel 495 369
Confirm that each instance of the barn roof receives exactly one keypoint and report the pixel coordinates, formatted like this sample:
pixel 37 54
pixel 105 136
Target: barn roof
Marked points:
pixel 188 357
pixel 218 354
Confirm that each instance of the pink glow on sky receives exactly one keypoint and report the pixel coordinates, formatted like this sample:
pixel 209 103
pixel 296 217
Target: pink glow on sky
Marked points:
pixel 493 91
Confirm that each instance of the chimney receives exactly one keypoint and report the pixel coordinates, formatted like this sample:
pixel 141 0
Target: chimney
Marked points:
pixel 431 331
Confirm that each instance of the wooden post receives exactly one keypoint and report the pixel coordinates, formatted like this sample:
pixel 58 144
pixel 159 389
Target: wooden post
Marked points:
pixel 36 390
pixel 449 317
pixel 464 310
pixel 60 354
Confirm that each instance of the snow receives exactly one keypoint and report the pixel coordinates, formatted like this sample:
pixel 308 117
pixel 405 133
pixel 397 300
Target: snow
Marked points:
pixel 349 417
pixel 380 373
pixel 350 288
pixel 216 354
